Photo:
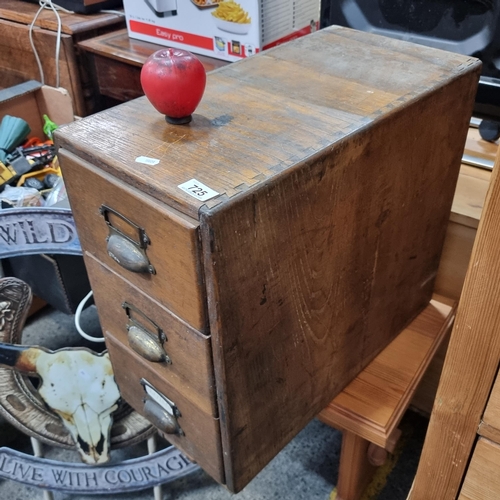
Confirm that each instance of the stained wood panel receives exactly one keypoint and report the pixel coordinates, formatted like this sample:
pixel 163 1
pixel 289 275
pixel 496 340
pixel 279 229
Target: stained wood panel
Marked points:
pixel 235 138
pixel 327 266
pixel 17 62
pixel 120 47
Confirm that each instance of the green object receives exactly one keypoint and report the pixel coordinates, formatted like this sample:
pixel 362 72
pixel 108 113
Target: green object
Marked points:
pixel 49 127
pixel 13 132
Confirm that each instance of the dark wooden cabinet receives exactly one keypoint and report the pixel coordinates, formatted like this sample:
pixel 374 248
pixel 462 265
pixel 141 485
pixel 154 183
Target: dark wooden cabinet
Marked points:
pixel 333 160
pixel 17 60
pixel 115 62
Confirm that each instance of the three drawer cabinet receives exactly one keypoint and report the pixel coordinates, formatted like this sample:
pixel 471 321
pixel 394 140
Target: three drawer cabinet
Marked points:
pixel 248 265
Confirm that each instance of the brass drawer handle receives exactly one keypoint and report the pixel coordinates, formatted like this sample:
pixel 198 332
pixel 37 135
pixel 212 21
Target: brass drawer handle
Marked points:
pixel 147 342
pixel 127 252
pixel 161 411
pixel 160 418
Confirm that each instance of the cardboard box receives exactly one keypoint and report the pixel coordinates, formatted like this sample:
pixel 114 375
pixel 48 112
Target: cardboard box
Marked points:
pixel 31 100
pixel 200 25
pixel 59 280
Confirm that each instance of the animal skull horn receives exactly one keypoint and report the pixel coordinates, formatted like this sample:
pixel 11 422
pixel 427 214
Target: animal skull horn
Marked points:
pixel 79 386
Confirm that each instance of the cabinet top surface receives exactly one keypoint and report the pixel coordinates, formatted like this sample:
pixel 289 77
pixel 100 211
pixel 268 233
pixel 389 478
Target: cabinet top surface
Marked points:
pixel 264 115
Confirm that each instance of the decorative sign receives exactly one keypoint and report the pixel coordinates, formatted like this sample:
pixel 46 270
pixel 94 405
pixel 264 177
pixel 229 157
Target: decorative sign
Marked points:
pixel 198 190
pixel 28 231
pixel 130 475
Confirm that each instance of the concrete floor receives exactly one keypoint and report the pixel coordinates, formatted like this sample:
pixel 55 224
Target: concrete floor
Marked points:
pixel 306 469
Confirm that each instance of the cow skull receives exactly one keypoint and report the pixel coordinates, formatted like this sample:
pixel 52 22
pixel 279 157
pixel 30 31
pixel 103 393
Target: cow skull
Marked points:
pixel 78 385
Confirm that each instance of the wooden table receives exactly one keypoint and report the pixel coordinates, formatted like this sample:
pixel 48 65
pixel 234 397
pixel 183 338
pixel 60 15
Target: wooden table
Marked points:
pixel 116 60
pixel 17 61
pixel 369 409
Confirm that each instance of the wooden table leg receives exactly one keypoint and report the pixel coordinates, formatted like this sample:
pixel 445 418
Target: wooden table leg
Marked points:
pixel 355 470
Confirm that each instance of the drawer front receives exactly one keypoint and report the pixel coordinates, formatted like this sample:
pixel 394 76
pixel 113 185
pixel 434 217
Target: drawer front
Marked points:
pixel 141 324
pixel 114 221
pixel 195 432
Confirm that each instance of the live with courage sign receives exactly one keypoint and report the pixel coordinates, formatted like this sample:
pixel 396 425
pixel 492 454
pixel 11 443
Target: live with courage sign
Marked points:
pixel 130 475
pixel 29 231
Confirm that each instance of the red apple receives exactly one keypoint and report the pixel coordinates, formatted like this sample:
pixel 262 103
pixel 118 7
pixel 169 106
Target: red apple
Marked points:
pixel 174 81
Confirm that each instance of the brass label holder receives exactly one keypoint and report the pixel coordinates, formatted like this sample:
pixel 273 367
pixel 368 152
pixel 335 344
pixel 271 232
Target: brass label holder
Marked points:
pixel 145 341
pixel 128 252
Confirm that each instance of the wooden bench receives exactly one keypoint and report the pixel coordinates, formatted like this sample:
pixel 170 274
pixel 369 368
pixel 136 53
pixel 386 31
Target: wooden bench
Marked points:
pixel 370 408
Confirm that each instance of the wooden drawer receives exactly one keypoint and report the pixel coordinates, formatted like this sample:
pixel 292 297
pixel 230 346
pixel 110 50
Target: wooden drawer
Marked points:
pixel 173 238
pixel 482 481
pixel 190 369
pixel 201 433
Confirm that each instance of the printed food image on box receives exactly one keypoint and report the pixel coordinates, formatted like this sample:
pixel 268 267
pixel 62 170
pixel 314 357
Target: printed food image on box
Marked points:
pixel 225 29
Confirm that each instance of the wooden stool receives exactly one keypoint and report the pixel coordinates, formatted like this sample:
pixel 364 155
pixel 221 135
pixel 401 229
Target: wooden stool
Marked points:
pixel 370 408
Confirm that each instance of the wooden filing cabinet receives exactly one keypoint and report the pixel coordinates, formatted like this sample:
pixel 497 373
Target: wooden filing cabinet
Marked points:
pixel 233 319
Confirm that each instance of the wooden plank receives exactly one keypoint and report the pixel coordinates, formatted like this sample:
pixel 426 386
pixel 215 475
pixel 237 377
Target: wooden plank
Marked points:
pixel 17 61
pixel 470 366
pixel 476 146
pixel 470 194
pixel 372 405
pixel 490 424
pixel 117 80
pixel 468 203
pixel 454 260
pixel 482 481
pixel 71 23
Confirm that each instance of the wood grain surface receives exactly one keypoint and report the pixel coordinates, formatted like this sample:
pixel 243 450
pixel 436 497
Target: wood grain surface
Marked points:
pixel 482 481
pixel 340 247
pixel 470 367
pixel 490 423
pixel 116 61
pixel 476 146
